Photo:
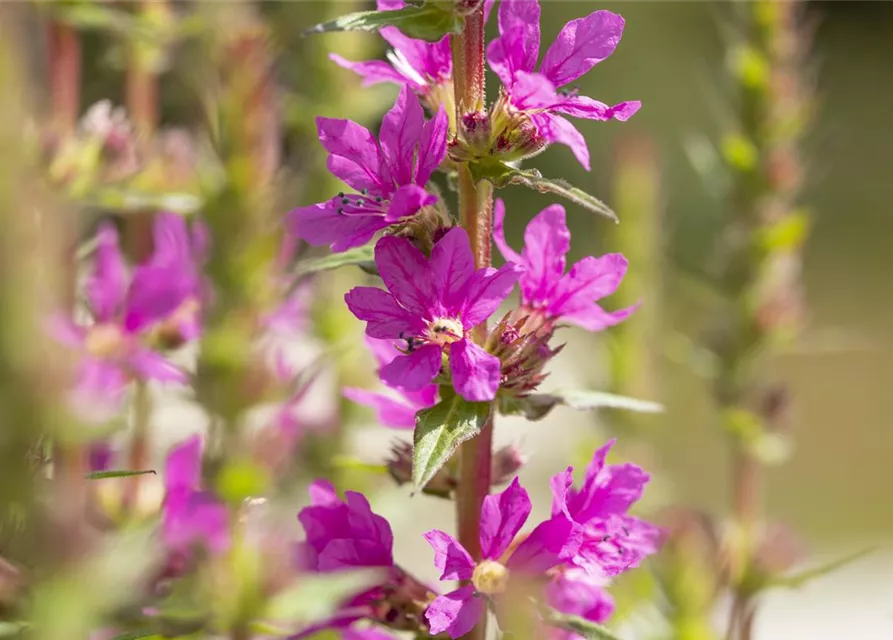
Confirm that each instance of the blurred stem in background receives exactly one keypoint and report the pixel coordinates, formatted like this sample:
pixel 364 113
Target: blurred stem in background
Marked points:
pixel 762 252
pixel 637 201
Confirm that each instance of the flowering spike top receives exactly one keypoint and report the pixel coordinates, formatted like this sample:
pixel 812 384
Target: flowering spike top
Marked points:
pixel 124 311
pixel 399 412
pixel 433 304
pixel 390 174
pixel 536 96
pixel 502 517
pixel 550 295
pixel 191 517
pixel 343 533
pixel 613 541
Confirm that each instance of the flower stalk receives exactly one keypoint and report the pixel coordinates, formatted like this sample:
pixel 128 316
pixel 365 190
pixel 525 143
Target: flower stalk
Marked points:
pixel 476 216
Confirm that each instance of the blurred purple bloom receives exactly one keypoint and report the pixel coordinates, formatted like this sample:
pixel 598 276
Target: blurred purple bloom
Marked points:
pixel 399 412
pixel 433 304
pixel 502 516
pixel 575 592
pixel 124 311
pixel 546 290
pixel 390 174
pixel 581 44
pixel 613 541
pixel 343 533
pixel 191 517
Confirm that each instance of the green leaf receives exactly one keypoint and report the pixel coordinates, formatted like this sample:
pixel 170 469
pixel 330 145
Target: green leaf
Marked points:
pixel 797 580
pixel 118 473
pixel 538 405
pixel 138 635
pixel 429 22
pixel 441 429
pixel 362 257
pixel 501 174
pixel 314 597
pixel 578 625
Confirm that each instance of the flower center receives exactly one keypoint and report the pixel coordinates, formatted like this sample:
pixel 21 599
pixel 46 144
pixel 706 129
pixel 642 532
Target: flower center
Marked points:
pixel 445 330
pixel 351 204
pixel 490 577
pixel 104 340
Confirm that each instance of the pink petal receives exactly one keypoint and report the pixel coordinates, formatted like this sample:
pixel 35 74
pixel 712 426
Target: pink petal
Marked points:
pixel 382 350
pixel 64 330
pixel 99 391
pixel 404 269
pixel 533 91
pixel 517 47
pixel 372 71
pixel 153 366
pixel 406 201
pixel 401 129
pixel 455 613
pixel 502 516
pixel 451 264
pixel 107 283
pixel 574 592
pixel 432 146
pixel 321 224
pixel 385 318
pixel 557 129
pixel 389 411
pixel 546 243
pixel 323 494
pixel 450 557
pixel 173 243
pixel 588 280
pixel 431 61
pixel 560 484
pixel 361 164
pixel 183 467
pixel 475 372
pixel 584 107
pixel 594 318
pixel 551 543
pixel 367 524
pixel 581 44
pixel 414 371
pixel 156 291
pixel 195 518
pixel 486 291
pixel 499 233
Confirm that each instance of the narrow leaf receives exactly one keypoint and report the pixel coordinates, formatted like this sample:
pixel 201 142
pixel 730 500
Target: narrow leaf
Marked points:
pixel 797 580
pixel 362 257
pixel 428 22
pixel 501 174
pixel 580 626
pixel 137 635
pixel 538 405
pixel 441 429
pixel 118 473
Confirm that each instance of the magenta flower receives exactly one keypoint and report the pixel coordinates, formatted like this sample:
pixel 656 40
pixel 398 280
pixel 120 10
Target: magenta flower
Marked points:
pixel 433 305
pixel 390 174
pixel 613 541
pixel 399 412
pixel 191 517
pixel 342 534
pixel 581 45
pixel 547 292
pixel 123 311
pixel 575 592
pixel 502 516
pixel 424 67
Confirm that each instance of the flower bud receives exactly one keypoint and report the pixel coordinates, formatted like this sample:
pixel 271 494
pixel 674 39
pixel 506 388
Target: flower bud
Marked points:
pixel 507 461
pixel 399 466
pixel 466 7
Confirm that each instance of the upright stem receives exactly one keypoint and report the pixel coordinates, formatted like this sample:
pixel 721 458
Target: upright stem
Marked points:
pixel 139 444
pixel 64 53
pixel 475 208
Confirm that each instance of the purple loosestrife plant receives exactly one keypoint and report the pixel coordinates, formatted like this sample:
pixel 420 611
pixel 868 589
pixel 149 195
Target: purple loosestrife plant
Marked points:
pixel 433 304
pixel 533 103
pixel 390 175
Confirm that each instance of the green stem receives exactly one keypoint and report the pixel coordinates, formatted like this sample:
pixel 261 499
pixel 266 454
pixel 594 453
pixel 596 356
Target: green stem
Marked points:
pixel 475 210
pixel 139 444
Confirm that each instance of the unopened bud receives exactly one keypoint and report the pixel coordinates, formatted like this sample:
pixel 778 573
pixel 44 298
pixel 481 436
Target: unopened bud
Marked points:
pixel 507 461
pixel 465 7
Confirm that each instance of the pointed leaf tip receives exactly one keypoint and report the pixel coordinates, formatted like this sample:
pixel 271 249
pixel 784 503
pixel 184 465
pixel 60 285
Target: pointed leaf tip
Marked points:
pixel 440 430
pixel 428 22
pixel 119 473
